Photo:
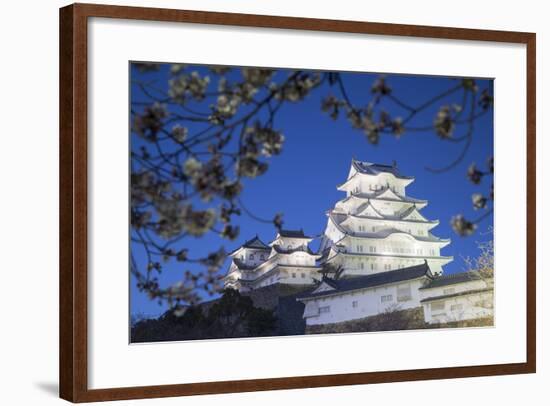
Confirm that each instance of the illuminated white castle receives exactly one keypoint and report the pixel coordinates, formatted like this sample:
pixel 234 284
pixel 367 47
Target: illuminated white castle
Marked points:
pixel 377 227
pixel 287 260
pixel 377 252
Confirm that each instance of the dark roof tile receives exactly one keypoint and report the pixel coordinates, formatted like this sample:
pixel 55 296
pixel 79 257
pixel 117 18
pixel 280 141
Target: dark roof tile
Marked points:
pixel 377 279
pixel 374 169
pixel 255 243
pixel 292 233
pixel 451 279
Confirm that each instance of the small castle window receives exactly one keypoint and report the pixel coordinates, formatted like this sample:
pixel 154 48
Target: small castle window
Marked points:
pixel 456 307
pixel 354 304
pixel 404 293
pixel 303 275
pixel 483 303
pixel 293 275
pixel 324 309
pixel 251 256
pixel 262 257
pixel 386 298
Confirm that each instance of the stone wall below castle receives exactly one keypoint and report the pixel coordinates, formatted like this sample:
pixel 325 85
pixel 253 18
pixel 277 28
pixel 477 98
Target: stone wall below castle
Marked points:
pixel 410 319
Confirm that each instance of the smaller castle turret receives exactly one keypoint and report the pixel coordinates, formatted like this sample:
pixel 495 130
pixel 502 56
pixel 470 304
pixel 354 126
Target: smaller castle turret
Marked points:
pixel 287 260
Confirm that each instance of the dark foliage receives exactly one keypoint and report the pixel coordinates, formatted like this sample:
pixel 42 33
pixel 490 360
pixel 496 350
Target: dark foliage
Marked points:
pixel 233 315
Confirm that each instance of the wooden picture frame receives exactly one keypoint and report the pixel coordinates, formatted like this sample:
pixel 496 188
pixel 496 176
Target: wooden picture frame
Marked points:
pixel 74 201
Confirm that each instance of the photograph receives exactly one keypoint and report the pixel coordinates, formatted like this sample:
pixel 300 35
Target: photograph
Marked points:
pixel 269 201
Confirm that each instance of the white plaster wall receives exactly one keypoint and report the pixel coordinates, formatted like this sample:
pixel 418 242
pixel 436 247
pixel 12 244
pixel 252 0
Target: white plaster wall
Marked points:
pixel 296 258
pixel 289 276
pixel 397 244
pixel 369 303
pixel 289 243
pixel 470 308
pixel 373 264
pixel 369 183
pixel 299 276
pixel 257 254
pixel 389 208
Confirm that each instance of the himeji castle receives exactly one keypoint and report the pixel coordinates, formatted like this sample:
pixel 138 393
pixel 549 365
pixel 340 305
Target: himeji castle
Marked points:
pixel 377 227
pixel 377 252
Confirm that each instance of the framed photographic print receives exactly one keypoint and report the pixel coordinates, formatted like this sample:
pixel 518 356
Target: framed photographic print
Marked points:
pixel 241 192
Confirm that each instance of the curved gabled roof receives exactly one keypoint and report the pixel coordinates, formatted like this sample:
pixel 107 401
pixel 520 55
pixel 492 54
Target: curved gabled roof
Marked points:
pixel 242 266
pixel 373 280
pixel 294 234
pixel 377 196
pixel 254 243
pixel 337 252
pixel 373 169
pixel 454 278
pixel 414 209
pixel 382 234
pixel 389 191
pixel 367 205
pixel 387 232
pixel 369 168
pixel 400 217
pixel 332 218
pixel 305 249
pixel 431 223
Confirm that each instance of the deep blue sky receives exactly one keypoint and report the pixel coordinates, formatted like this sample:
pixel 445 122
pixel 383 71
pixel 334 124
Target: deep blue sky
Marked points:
pixel 301 182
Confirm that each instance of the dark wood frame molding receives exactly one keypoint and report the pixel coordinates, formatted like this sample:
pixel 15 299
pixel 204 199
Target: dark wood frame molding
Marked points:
pixel 73 201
